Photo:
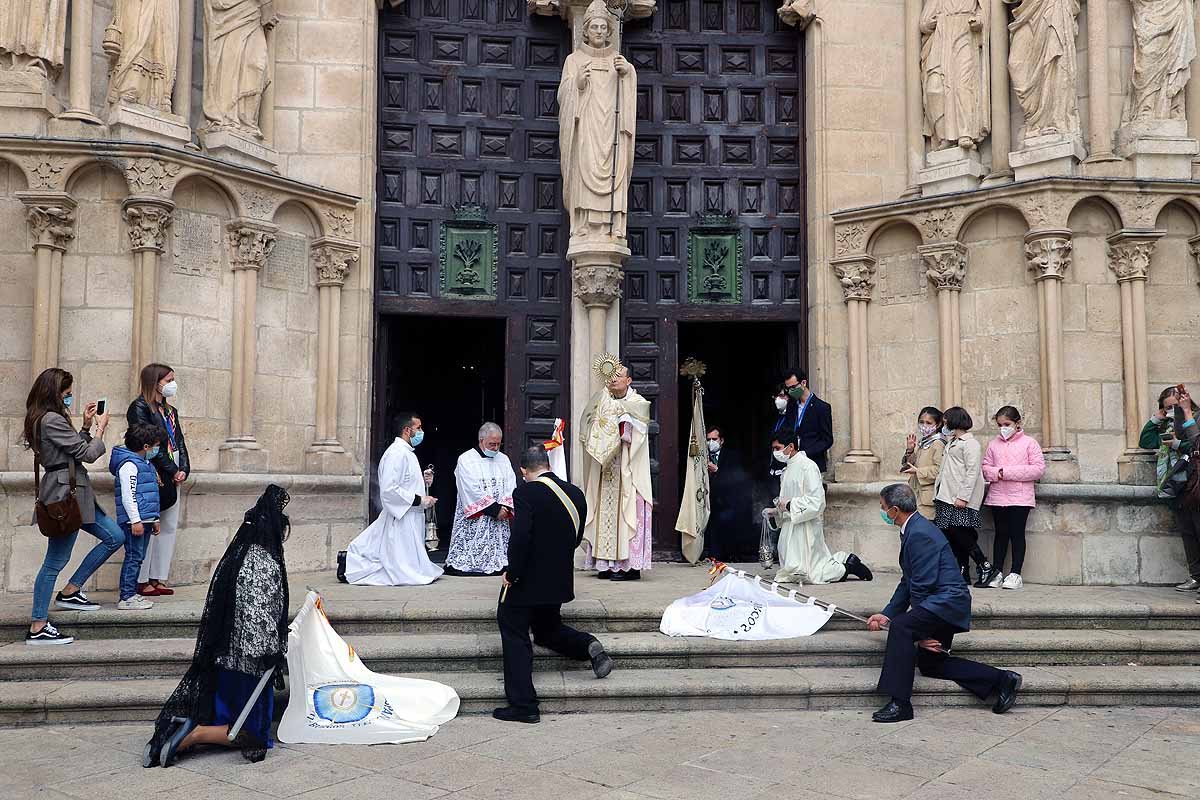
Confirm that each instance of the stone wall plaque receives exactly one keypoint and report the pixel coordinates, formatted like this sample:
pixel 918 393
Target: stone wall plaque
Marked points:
pixel 196 244
pixel 287 267
pixel 901 278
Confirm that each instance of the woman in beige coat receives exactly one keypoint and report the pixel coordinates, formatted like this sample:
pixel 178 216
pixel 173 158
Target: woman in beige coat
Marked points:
pixel 958 493
pixel 50 433
pixel 922 461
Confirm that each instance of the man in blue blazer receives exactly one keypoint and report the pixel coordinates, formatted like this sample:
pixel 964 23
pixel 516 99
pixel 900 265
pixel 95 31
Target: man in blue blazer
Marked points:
pixel 930 605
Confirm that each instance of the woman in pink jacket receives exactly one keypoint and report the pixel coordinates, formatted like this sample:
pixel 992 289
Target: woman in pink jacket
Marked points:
pixel 1012 464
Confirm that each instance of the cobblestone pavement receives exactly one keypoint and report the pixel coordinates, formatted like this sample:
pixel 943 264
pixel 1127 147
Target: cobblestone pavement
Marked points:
pixel 951 754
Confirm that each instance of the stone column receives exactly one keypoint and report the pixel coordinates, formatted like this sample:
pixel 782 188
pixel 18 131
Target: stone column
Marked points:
pixel 857 276
pixel 266 115
pixel 148 219
pixel 596 278
pixel 1129 253
pixel 1192 99
pixel 946 267
pixel 250 244
pixel 1048 253
pixel 1099 119
pixel 914 110
pixel 51 218
pixel 1194 249
pixel 80 93
pixel 1001 122
pixel 333 259
pixel 181 98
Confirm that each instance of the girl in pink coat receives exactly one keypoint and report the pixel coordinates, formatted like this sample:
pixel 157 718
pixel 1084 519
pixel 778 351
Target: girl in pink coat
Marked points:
pixel 1012 464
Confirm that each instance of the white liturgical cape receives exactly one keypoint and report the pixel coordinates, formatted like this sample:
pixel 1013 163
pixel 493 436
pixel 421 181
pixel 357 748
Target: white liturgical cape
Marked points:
pixel 803 554
pixel 478 542
pixel 391 552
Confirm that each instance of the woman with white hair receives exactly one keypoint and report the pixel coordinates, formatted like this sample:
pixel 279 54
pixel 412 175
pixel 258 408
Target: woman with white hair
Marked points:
pixel 485 480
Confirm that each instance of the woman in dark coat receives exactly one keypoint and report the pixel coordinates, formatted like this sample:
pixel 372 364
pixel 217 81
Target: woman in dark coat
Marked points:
pixel 151 408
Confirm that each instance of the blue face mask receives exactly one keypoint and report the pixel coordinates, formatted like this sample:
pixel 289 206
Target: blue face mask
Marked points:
pixel 417 438
pixel 153 452
pixel 886 518
pixel 68 400
pixel 489 453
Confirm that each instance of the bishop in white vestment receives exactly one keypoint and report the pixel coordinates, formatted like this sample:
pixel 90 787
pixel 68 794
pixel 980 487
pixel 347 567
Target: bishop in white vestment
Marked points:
pixel 391 552
pixel 483 516
pixel 803 555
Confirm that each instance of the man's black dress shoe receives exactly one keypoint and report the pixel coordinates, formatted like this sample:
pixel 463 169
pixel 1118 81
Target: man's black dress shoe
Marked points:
pixel 602 662
pixel 855 567
pixel 604 574
pixel 1010 684
pixel 894 712
pixel 510 714
pixel 630 575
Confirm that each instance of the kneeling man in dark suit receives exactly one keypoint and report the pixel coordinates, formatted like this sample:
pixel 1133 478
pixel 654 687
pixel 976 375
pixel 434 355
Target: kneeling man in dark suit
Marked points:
pixel 547 526
pixel 931 604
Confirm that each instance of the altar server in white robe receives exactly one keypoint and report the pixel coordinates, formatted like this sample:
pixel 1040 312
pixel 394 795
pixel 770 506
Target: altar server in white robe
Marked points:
pixel 391 552
pixel 803 555
pixel 483 516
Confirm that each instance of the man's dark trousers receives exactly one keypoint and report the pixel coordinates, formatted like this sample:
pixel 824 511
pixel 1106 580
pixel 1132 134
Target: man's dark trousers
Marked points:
pixel 903 656
pixel 549 632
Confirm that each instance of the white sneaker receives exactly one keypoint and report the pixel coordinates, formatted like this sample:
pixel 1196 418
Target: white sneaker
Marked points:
pixel 135 603
pixel 1013 581
pixel 998 581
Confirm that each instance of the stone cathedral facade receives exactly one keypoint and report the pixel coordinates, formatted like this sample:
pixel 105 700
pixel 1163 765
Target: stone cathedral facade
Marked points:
pixel 320 211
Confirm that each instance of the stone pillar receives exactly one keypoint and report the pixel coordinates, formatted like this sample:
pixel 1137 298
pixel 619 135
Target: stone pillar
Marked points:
pixel 1129 253
pixel 80 93
pixel 857 276
pixel 1001 121
pixel 596 278
pixel 1099 120
pixel 946 267
pixel 181 98
pixel 1192 102
pixel 51 218
pixel 148 219
pixel 1048 253
pixel 250 244
pixel 914 110
pixel 266 115
pixel 1194 249
pixel 333 259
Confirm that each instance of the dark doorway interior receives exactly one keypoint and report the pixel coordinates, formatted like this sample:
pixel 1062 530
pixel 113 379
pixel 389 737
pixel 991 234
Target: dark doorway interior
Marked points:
pixel 745 362
pixel 451 372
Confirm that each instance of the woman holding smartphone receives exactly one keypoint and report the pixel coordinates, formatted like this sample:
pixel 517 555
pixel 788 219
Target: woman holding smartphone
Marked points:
pixel 1167 432
pixel 151 407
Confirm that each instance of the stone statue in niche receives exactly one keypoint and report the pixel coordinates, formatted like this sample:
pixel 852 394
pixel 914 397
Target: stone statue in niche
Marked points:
pixel 955 76
pixel 1042 63
pixel 1164 44
pixel 597 102
pixel 236 62
pixel 143 44
pixel 33 36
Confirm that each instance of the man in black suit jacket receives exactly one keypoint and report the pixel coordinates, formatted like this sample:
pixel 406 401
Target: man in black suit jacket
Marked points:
pixel 548 517
pixel 730 535
pixel 810 417
pixel 932 602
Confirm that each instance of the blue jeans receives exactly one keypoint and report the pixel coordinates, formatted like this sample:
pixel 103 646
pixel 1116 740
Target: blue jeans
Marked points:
pixel 135 554
pixel 58 553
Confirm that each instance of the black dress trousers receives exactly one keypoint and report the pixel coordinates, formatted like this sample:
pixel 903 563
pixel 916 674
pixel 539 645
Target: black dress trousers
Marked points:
pixel 903 656
pixel 548 631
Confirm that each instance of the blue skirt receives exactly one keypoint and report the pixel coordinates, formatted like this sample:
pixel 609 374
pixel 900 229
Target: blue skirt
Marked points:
pixel 233 690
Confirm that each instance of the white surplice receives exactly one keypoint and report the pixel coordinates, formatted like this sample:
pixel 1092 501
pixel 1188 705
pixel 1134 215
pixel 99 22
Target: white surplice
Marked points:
pixel 479 542
pixel 803 554
pixel 391 551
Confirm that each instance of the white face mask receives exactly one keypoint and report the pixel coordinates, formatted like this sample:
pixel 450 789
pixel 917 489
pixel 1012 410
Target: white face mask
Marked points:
pixel 169 389
pixel 713 445
pixel 947 432
pixel 1007 431
pixel 780 404
pixel 780 456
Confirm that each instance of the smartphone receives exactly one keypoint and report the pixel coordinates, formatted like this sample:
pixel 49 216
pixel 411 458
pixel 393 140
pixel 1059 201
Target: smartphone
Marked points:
pixel 1167 438
pixel 101 406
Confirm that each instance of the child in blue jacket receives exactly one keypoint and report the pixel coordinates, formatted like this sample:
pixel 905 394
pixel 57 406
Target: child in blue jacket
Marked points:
pixel 136 490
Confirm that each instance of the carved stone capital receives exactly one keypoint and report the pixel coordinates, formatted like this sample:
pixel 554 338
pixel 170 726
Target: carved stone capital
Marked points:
pixel 51 218
pixel 148 219
pixel 597 284
pixel 1048 254
pixel 798 12
pixel 250 243
pixel 945 265
pixel 546 8
pixel 856 273
pixel 1129 253
pixel 151 176
pixel 333 259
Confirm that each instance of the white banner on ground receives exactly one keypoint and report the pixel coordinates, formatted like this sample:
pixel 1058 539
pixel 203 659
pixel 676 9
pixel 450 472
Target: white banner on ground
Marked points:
pixel 737 608
pixel 335 699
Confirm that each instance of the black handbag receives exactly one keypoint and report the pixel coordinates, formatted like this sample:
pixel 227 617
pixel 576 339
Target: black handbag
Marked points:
pixel 61 518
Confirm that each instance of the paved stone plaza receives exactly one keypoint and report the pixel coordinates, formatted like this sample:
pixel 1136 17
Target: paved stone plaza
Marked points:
pixel 1067 754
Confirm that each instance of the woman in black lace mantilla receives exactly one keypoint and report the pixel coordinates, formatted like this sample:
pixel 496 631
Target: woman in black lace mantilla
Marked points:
pixel 243 633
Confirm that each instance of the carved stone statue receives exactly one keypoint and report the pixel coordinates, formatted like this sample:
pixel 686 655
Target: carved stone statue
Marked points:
pixel 595 180
pixel 235 62
pixel 955 78
pixel 1041 62
pixel 1164 44
pixel 144 53
pixel 33 35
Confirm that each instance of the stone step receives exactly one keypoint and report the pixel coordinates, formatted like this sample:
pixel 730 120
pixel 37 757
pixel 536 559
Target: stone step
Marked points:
pixel 405 653
pixel 31 702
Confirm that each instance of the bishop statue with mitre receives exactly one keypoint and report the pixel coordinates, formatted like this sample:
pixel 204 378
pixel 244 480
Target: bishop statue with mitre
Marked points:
pixel 616 425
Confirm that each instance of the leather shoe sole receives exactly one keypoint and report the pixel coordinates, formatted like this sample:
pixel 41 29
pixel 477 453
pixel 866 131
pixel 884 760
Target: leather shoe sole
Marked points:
pixel 510 714
pixel 602 663
pixel 1008 692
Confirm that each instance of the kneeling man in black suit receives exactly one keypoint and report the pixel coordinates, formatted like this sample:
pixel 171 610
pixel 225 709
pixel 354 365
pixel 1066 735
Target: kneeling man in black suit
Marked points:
pixel 547 526
pixel 931 604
